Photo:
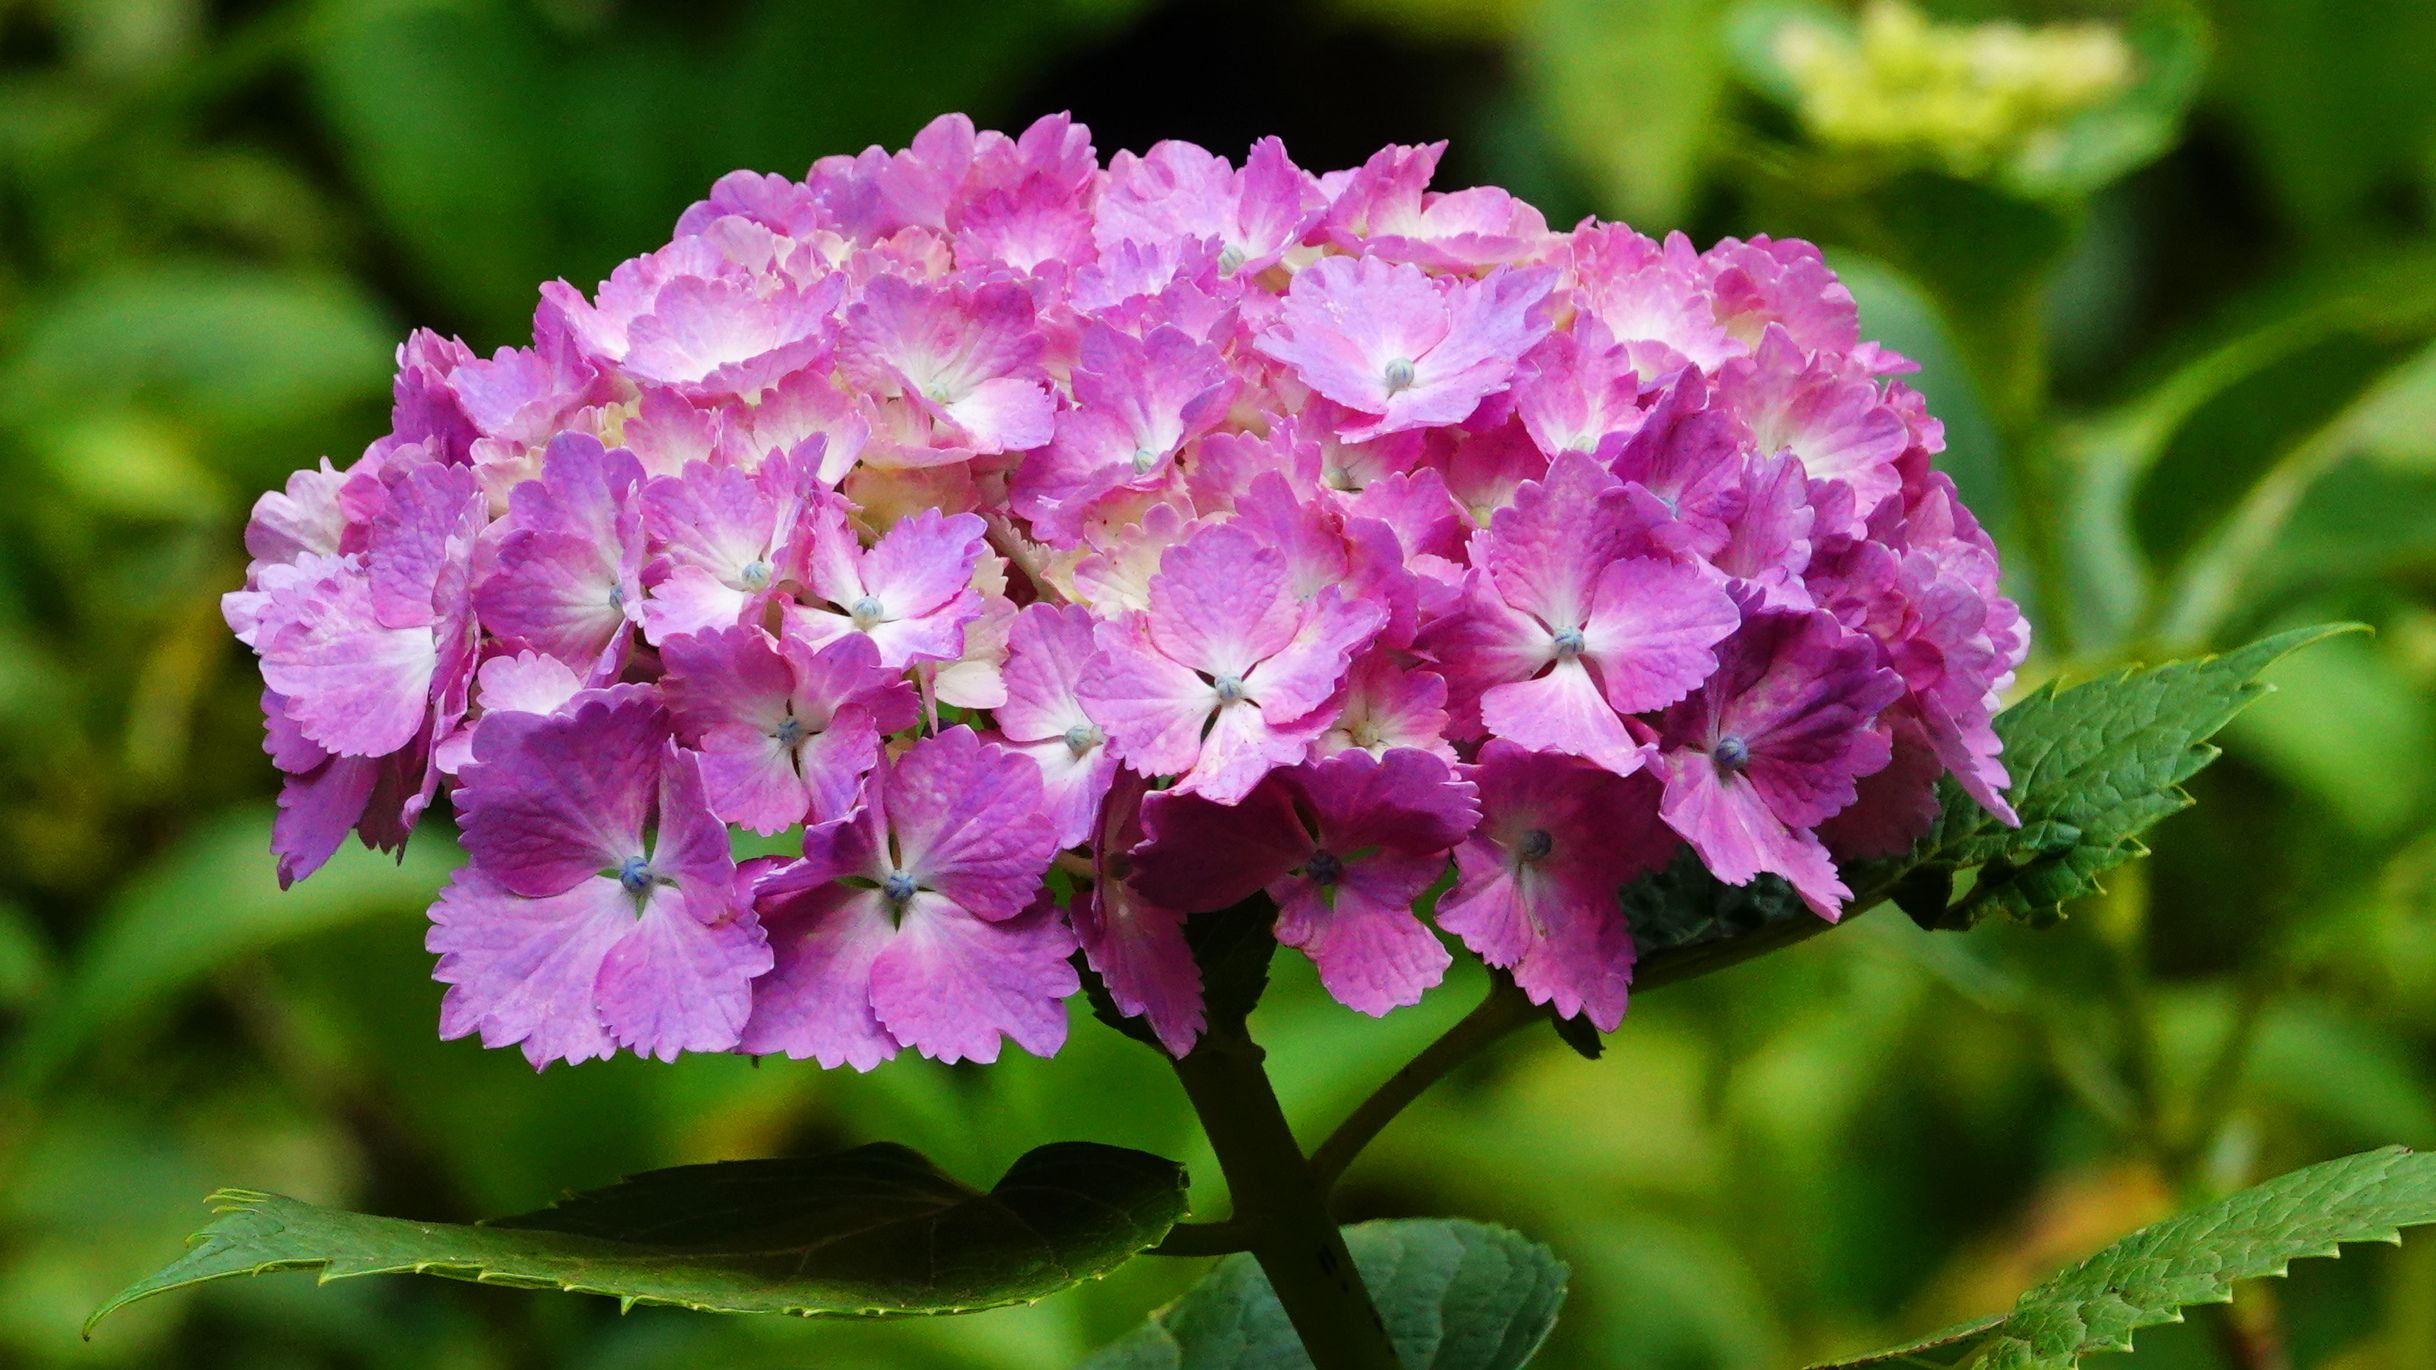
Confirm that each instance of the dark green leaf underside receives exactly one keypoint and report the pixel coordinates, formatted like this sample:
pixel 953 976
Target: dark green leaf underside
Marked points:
pixel 1455 1295
pixel 877 1231
pixel 2196 1258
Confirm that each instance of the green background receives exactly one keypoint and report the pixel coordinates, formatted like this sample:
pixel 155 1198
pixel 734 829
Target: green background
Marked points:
pixel 2186 376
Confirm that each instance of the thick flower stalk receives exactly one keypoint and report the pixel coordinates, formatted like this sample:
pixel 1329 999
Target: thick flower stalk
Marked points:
pixel 1197 531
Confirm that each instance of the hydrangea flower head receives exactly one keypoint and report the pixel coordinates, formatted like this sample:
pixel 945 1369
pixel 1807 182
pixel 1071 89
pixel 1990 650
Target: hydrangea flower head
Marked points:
pixel 1060 552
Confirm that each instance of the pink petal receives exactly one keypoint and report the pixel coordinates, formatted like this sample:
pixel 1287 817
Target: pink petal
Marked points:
pixel 816 1000
pixel 523 970
pixel 1737 837
pixel 969 822
pixel 1372 954
pixel 951 985
pixel 1562 711
pixel 1652 630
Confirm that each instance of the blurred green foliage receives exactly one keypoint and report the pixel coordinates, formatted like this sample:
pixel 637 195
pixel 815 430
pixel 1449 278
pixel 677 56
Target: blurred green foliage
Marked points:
pixel 2187 377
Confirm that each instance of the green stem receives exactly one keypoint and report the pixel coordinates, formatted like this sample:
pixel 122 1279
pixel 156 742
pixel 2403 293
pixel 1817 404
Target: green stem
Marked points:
pixel 1505 1009
pixel 1280 1207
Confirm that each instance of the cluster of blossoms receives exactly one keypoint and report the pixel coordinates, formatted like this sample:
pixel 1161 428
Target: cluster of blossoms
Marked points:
pixel 1195 530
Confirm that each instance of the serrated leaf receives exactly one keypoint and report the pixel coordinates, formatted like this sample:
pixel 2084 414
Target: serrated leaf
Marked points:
pixel 2151 1276
pixel 877 1231
pixel 2094 766
pixel 1455 1296
pixel 1937 1348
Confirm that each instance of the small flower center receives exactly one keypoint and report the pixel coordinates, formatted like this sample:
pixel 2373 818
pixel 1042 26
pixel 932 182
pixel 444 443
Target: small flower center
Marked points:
pixel 1569 643
pixel 1143 460
pixel 790 732
pixel 1731 753
pixel 898 889
pixel 1399 375
pixel 1324 867
pixel 866 613
pixel 636 875
pixel 617 598
pixel 1230 260
pixel 1535 846
pixel 1082 737
pixel 1230 688
pixel 755 575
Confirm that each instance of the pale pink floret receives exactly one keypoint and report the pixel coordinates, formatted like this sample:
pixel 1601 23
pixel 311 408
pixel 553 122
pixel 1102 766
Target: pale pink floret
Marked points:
pixel 970 357
pixel 372 653
pixel 568 576
pixel 786 731
pixel 722 541
pixel 519 683
pixel 1772 746
pixel 1385 209
pixel 1536 885
pixel 522 396
pixel 911 592
pixel 1224 678
pixel 942 947
pixel 1578 392
pixel 1647 293
pixel 804 418
pixel 1830 418
pixel 418 557
pixel 1384 339
pixel 1048 649
pixel 597 910
pixel 1177 190
pixel 1137 401
pixel 1389 703
pixel 1782 283
pixel 303 518
pixel 1343 845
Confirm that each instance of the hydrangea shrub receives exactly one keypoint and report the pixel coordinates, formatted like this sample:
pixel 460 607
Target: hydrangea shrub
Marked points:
pixel 1088 571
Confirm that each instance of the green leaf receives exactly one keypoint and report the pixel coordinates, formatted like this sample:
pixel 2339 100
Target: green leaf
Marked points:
pixel 1455 1296
pixel 1953 1341
pixel 2151 1276
pixel 153 941
pixel 1656 67
pixel 2168 40
pixel 875 1231
pixel 2094 766
pixel 2332 102
pixel 2260 413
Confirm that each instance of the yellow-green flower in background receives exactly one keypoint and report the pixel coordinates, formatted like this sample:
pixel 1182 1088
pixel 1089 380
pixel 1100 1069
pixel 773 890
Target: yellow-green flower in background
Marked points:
pixel 1971 99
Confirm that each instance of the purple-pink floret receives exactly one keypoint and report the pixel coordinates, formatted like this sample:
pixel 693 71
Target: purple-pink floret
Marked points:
pixel 1068 552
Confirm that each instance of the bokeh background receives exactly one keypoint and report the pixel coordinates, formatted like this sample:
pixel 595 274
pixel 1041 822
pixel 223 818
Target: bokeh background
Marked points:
pixel 2169 272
